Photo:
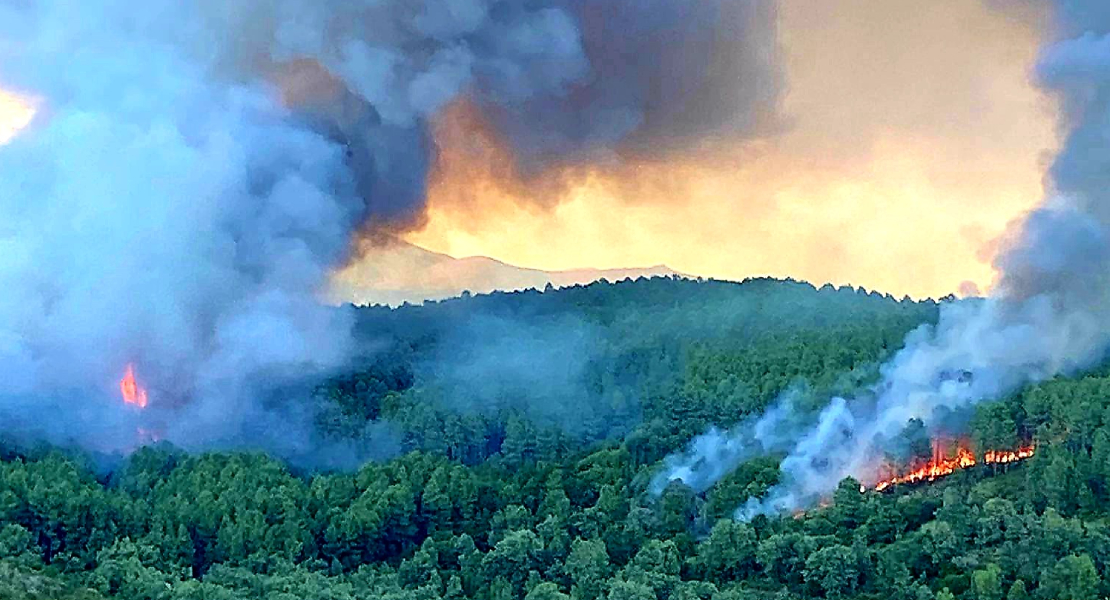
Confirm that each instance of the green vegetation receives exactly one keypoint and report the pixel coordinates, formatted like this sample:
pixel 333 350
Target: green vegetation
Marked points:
pixel 527 428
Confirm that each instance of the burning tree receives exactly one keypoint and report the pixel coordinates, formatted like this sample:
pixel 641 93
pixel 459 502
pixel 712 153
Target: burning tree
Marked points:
pixel 129 388
pixel 943 463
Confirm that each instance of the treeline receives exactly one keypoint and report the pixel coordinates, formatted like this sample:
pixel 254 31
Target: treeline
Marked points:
pixel 497 495
pixel 657 360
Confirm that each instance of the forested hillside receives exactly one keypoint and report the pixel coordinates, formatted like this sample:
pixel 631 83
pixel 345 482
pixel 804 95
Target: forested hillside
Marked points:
pixel 517 436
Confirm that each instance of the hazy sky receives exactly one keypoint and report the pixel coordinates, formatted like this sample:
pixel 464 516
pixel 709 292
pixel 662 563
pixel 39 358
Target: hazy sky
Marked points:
pixel 914 136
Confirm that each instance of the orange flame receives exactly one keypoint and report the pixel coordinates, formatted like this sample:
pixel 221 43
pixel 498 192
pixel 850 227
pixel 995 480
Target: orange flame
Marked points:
pixel 129 388
pixel 1001 457
pixel 940 465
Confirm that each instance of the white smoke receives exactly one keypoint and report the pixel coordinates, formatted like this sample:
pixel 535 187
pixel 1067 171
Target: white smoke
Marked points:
pixel 158 214
pixel 716 453
pixel 197 169
pixel 1049 313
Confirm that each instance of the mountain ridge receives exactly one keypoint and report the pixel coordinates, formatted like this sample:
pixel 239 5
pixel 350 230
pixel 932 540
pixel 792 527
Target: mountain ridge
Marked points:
pixel 399 272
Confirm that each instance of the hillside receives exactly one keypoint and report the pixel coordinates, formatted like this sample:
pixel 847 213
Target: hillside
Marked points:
pixel 399 272
pixel 517 436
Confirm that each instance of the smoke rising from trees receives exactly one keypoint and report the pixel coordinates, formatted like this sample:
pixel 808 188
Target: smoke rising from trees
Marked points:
pixel 195 171
pixel 1047 315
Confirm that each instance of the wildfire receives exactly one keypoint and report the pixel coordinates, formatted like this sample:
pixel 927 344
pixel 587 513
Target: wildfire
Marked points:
pixel 1001 457
pixel 129 388
pixel 941 465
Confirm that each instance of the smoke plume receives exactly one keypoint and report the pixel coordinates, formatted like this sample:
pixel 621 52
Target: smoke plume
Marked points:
pixel 1048 314
pixel 195 171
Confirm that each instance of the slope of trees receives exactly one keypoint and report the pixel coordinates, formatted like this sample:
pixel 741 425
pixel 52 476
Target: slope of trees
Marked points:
pixel 528 427
pixel 658 360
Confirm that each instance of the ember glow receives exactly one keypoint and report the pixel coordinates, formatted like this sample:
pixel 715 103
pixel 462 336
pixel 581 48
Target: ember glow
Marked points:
pixel 15 114
pixel 941 465
pixel 129 388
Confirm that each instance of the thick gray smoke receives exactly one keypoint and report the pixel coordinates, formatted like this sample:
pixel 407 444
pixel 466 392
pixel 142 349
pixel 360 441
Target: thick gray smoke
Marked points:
pixel 664 75
pixel 1049 313
pixel 196 170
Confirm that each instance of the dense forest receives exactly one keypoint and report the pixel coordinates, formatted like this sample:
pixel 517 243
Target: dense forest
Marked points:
pixel 514 437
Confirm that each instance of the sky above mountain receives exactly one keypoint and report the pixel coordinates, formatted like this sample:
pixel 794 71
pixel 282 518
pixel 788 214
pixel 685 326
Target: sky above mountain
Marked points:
pixel 913 136
pixel 909 137
pixel 402 272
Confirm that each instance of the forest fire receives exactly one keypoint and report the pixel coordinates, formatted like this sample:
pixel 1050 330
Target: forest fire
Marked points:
pixel 129 388
pixel 1001 457
pixel 941 465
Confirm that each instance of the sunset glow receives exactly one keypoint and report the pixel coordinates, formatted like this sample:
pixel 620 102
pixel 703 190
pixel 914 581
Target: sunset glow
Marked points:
pixel 882 179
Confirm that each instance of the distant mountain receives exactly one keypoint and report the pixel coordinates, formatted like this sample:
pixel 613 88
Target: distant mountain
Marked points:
pixel 400 272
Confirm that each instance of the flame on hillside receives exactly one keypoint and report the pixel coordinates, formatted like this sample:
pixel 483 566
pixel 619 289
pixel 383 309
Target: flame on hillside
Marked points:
pixel 133 393
pixel 941 465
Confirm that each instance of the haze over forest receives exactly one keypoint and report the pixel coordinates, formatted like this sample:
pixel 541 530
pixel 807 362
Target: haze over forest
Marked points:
pixel 555 300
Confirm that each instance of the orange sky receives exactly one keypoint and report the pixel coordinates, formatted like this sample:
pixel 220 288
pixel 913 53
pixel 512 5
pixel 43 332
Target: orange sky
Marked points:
pixel 915 137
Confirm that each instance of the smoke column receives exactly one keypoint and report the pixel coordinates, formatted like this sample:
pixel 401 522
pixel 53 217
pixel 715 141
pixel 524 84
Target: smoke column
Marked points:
pixel 196 170
pixel 1049 313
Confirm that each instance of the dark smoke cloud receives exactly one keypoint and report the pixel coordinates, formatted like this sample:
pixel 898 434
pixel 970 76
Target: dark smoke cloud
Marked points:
pixel 197 169
pixel 663 75
pixel 1049 313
